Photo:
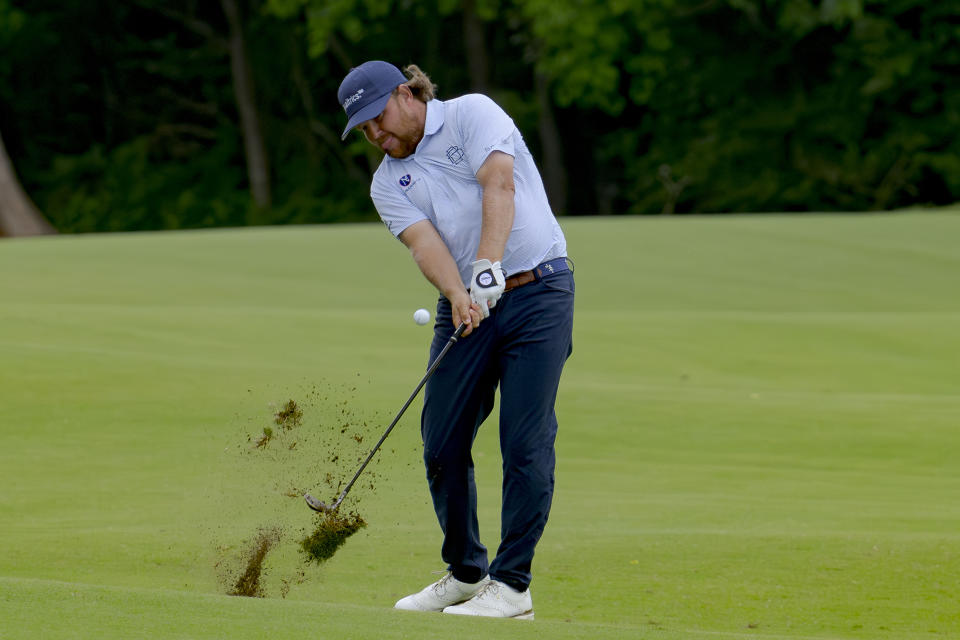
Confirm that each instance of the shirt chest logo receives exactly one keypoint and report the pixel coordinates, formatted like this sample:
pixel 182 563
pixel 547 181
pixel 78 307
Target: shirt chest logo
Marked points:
pixel 405 180
pixel 454 154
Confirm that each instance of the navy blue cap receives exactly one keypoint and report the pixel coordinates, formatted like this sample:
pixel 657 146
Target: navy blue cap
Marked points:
pixel 365 91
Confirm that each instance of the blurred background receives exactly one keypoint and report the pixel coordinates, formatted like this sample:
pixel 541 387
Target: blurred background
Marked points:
pixel 167 114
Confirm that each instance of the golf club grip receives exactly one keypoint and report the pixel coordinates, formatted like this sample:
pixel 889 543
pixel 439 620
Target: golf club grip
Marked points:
pixel 433 367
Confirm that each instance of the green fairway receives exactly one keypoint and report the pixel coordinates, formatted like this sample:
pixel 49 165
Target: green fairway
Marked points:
pixel 758 432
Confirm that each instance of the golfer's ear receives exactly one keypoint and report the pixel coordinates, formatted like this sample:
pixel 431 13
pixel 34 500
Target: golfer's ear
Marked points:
pixel 403 91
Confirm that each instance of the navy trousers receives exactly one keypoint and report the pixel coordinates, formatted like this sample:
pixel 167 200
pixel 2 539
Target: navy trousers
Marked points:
pixel 521 348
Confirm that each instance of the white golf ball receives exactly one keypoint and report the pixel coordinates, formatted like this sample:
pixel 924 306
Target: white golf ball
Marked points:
pixel 421 316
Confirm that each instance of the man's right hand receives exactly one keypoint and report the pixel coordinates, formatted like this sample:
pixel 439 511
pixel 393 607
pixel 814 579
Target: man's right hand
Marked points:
pixel 434 259
pixel 465 311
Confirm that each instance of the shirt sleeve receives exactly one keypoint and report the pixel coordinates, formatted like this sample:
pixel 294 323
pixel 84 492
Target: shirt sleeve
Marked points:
pixel 394 208
pixel 485 128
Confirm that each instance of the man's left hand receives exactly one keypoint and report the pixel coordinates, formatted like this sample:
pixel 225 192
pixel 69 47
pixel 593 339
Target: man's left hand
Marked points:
pixel 487 285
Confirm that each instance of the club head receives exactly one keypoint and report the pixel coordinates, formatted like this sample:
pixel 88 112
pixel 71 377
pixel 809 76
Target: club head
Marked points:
pixel 316 505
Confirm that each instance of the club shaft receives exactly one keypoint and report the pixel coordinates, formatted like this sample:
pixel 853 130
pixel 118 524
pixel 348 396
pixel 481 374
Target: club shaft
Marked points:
pixel 433 367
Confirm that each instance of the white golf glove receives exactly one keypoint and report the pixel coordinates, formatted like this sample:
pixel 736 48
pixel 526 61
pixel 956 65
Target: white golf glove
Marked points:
pixel 487 285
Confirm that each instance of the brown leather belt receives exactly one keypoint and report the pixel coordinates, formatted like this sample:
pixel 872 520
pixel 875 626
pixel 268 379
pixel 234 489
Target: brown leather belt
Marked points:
pixel 543 269
pixel 518 280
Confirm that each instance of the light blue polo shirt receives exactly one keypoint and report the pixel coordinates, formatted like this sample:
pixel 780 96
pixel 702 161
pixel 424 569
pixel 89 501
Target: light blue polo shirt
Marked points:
pixel 438 183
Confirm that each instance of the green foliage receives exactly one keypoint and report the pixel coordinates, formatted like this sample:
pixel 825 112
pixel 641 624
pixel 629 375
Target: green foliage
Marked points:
pixel 11 19
pixel 123 190
pixel 590 50
pixel 328 17
pixel 127 118
pixel 836 106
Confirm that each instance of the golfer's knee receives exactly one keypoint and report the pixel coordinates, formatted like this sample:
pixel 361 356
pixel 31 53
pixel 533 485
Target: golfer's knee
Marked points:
pixel 437 463
pixel 434 467
pixel 534 466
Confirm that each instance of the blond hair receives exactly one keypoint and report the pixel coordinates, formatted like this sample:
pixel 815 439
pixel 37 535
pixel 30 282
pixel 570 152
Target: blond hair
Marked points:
pixel 420 84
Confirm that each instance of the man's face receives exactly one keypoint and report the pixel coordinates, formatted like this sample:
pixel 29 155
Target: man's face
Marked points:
pixel 397 130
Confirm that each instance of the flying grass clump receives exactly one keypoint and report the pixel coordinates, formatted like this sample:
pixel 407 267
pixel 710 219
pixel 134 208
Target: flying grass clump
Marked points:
pixel 279 460
pixel 248 584
pixel 331 532
pixel 288 418
pixel 264 439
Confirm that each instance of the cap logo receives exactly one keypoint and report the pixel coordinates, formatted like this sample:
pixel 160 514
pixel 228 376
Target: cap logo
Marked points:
pixel 349 101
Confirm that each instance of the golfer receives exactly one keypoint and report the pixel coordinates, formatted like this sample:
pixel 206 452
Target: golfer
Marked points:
pixel 459 188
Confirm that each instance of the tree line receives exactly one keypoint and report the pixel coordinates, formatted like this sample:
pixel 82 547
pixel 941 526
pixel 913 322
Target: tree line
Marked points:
pixel 163 114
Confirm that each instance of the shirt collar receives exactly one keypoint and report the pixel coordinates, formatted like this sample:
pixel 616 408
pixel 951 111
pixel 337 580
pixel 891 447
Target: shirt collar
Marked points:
pixel 434 117
pixel 432 124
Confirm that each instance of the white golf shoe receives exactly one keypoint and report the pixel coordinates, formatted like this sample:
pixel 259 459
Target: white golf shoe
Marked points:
pixel 496 600
pixel 441 594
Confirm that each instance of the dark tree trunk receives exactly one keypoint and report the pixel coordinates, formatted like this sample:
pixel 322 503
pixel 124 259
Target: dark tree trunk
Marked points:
pixel 258 171
pixel 475 47
pixel 18 215
pixel 554 171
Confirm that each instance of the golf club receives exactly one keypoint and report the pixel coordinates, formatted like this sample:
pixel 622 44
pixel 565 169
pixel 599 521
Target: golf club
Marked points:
pixel 315 504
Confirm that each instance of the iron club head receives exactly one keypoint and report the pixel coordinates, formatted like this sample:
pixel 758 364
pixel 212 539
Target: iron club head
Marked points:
pixel 316 505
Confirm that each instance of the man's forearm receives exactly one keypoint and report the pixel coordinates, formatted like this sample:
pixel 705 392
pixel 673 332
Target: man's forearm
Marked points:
pixel 496 180
pixel 433 258
pixel 498 212
pixel 438 266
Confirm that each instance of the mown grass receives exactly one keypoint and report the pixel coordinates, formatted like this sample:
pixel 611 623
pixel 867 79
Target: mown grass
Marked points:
pixel 758 432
